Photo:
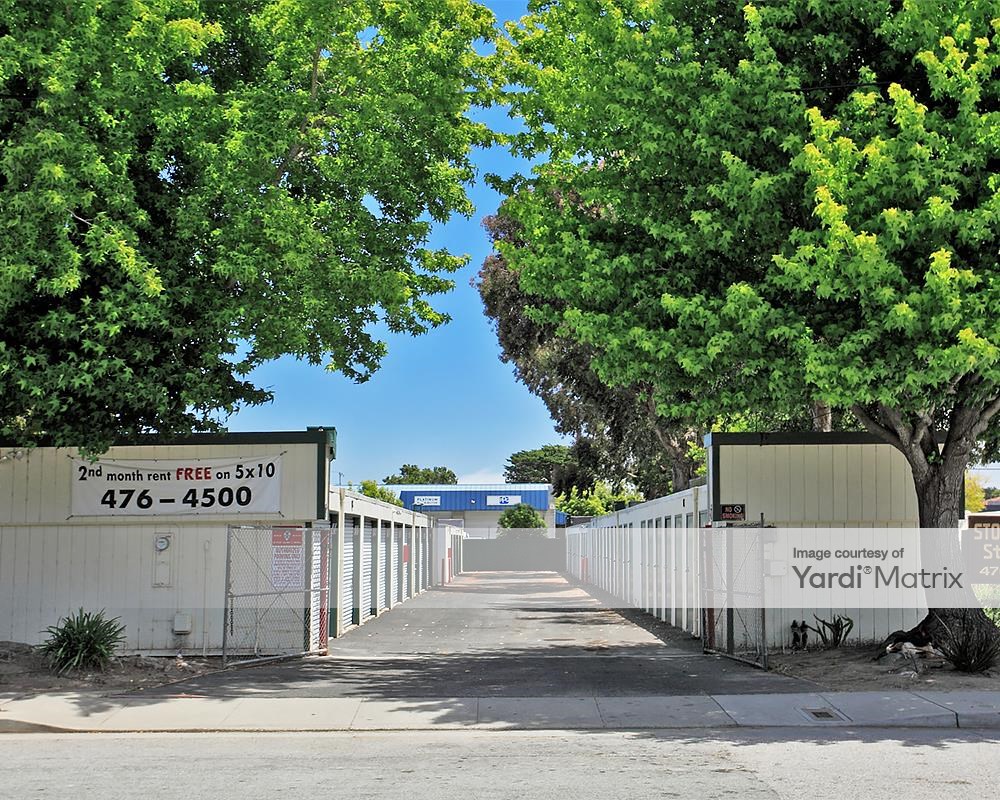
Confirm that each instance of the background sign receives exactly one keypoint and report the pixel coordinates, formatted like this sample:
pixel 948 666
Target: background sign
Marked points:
pixel 733 511
pixel 162 487
pixel 503 499
pixel 427 500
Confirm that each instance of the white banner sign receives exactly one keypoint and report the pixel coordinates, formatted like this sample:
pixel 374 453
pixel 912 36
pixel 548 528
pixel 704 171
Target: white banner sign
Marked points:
pixel 503 499
pixel 427 500
pixel 162 487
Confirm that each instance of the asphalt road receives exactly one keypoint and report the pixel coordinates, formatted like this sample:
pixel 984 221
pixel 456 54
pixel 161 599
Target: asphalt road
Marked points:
pixel 836 765
pixel 502 634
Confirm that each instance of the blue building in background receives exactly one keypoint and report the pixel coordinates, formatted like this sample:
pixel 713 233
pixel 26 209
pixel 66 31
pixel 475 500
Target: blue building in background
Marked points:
pixel 476 507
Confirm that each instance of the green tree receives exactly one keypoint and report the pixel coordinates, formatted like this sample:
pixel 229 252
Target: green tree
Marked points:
pixel 599 500
pixel 411 473
pixel 374 490
pixel 536 466
pixel 190 189
pixel 784 207
pixel 975 493
pixel 615 428
pixel 521 521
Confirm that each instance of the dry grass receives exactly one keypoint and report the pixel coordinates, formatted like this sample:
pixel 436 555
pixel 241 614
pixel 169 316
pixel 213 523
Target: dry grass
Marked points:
pixel 851 669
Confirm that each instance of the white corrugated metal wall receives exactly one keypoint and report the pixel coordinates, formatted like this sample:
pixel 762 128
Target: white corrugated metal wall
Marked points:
pixel 813 485
pixel 792 485
pixel 622 554
pixel 52 563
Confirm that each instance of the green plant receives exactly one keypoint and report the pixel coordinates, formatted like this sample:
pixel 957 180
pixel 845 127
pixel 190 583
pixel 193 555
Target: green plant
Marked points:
pixel 833 633
pixel 520 517
pixel 372 489
pixel 599 500
pixel 84 640
pixel 969 646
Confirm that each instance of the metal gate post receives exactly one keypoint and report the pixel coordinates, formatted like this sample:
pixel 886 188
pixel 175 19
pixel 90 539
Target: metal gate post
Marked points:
pixel 227 605
pixel 763 603
pixel 730 615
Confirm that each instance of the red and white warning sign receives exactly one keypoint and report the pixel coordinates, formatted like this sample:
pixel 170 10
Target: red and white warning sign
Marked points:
pixel 288 559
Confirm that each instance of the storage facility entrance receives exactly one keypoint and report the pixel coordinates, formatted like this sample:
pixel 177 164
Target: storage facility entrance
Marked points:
pixel 277 592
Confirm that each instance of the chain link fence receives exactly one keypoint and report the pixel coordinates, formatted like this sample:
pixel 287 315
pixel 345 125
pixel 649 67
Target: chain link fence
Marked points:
pixel 277 593
pixel 733 593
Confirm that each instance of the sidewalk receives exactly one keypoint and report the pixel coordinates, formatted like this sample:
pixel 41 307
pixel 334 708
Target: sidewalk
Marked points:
pixel 79 712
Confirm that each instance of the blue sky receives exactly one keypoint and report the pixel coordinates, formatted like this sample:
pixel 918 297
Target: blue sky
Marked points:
pixel 440 399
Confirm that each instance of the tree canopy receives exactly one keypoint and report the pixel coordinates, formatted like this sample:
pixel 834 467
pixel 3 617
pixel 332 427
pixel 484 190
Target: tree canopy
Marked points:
pixel 599 500
pixel 561 465
pixel 771 207
pixel 617 434
pixel 374 490
pixel 190 189
pixel 411 473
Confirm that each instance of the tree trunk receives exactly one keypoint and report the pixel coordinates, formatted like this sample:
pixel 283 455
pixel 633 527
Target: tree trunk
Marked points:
pixel 822 416
pixel 681 472
pixel 676 445
pixel 939 503
pixel 939 478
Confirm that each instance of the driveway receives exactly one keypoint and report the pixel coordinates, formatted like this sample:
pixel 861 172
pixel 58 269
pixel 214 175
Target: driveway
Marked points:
pixel 501 634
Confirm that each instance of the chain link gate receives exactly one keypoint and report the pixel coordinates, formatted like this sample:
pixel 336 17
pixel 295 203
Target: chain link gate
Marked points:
pixel 733 593
pixel 277 592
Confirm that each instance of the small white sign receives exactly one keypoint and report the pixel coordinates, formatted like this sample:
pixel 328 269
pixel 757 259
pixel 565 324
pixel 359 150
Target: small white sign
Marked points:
pixel 503 499
pixel 427 500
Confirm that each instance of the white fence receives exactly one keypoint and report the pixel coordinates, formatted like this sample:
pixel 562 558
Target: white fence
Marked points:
pixel 647 556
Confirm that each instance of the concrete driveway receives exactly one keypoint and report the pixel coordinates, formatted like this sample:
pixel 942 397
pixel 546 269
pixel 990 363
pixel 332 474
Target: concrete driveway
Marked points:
pixel 501 634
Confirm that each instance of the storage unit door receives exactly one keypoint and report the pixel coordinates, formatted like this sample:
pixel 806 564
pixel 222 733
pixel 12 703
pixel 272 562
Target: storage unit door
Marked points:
pixel 416 549
pixel 397 548
pixel 383 541
pixel 367 551
pixel 347 589
pixel 426 560
pixel 407 555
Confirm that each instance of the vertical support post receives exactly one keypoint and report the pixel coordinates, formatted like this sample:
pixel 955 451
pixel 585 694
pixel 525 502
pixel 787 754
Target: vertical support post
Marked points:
pixel 410 571
pixel 376 557
pixel 337 589
pixel 359 576
pixel 391 591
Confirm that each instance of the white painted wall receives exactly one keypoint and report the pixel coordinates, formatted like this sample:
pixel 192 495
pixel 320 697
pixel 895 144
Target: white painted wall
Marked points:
pixel 51 563
pixel 812 485
pixel 824 486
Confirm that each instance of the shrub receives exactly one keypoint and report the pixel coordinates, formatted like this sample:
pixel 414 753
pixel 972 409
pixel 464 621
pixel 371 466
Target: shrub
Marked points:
pixel 521 517
pixel 84 640
pixel 968 645
pixel 833 633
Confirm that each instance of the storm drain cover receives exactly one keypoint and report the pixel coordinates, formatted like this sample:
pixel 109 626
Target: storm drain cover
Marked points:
pixel 823 715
